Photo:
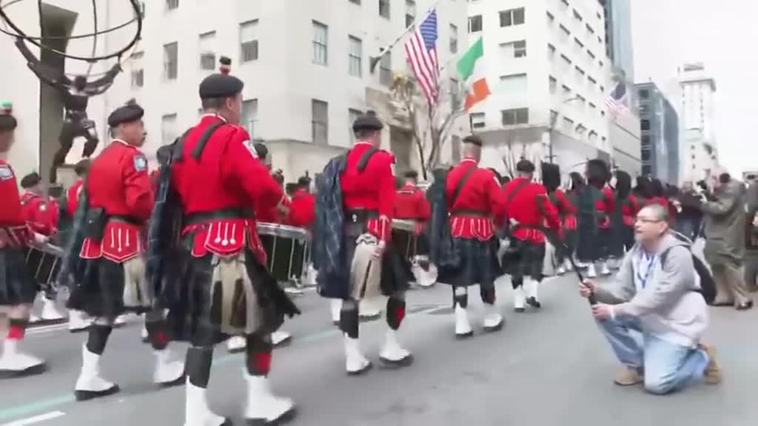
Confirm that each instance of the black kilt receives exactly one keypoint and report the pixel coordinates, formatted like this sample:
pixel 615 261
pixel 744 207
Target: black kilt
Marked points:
pixel 479 264
pixel 588 244
pixel 527 260
pixel 100 292
pixel 192 315
pixel 17 285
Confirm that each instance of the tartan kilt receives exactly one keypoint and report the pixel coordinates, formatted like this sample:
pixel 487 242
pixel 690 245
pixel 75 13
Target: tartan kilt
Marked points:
pixel 211 298
pixel 479 264
pixel 588 247
pixel 109 289
pixel 17 285
pixel 392 276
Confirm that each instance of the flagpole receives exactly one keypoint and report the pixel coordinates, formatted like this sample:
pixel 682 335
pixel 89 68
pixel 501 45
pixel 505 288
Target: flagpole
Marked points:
pixel 374 60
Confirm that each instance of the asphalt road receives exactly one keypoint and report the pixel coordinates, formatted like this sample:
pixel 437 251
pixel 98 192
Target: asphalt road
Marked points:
pixel 544 368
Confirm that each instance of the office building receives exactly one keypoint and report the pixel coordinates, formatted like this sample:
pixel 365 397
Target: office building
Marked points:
pixel 659 125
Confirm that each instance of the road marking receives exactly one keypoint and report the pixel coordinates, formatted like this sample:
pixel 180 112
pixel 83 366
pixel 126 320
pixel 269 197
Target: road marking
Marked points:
pixel 36 419
pixel 63 400
pixel 47 328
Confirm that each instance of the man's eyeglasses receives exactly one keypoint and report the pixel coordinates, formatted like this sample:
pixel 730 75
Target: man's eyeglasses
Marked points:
pixel 647 220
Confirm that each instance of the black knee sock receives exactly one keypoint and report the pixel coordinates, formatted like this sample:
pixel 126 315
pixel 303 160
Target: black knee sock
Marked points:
pixel 98 337
pixel 349 318
pixel 395 311
pixel 198 365
pixel 488 295
pixel 460 297
pixel 259 349
pixel 158 334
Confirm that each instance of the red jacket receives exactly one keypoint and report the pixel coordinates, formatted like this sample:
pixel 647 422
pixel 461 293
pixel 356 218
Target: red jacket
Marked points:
pixel 269 213
pixel 302 209
pixel 479 203
pixel 228 176
pixel 72 196
pixel 372 189
pixel 629 209
pixel 118 182
pixel 532 209
pixel 606 206
pixel 43 216
pixel 13 229
pixel 411 204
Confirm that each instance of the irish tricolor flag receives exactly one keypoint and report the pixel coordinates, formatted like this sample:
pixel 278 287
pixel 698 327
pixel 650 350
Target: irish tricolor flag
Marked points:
pixel 471 69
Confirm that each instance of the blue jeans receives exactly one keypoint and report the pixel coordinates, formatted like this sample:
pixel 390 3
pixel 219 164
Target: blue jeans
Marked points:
pixel 667 366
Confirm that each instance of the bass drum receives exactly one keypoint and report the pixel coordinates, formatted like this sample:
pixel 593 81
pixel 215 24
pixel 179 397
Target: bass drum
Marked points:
pixel 44 263
pixel 288 250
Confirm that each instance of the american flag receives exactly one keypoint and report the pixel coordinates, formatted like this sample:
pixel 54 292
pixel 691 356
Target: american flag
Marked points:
pixel 421 52
pixel 617 99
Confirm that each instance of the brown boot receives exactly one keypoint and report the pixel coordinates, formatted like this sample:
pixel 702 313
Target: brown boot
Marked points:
pixel 712 374
pixel 628 377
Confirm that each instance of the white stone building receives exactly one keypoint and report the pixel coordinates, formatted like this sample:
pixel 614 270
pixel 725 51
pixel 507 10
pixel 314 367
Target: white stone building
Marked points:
pixel 305 65
pixel 700 154
pixel 549 73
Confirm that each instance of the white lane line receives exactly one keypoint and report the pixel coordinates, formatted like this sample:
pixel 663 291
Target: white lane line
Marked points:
pixel 36 419
pixel 46 328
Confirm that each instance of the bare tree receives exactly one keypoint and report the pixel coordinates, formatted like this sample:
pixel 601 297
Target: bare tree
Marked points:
pixel 430 126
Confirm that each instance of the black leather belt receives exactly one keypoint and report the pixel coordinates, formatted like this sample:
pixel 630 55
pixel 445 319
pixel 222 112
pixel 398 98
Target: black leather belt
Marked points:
pixel 198 218
pixel 126 219
pixel 469 213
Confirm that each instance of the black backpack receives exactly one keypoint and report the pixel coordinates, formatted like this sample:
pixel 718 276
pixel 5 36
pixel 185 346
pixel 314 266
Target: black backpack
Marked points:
pixel 707 284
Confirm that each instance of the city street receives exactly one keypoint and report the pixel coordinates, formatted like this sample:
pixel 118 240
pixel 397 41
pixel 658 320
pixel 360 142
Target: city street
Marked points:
pixel 551 368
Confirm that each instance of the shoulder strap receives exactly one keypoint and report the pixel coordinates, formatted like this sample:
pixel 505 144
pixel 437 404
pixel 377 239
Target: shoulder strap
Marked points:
pixel 462 184
pixel 197 153
pixel 365 159
pixel 177 153
pixel 517 189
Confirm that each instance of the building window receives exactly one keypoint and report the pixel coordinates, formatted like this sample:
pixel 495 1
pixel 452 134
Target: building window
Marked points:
pixel 170 61
pixel 168 129
pixel 249 41
pixel 513 84
pixel 591 80
pixel 172 4
pixel 384 8
pixel 319 122
pixel 591 55
pixel 550 18
pixel 512 17
pixel 645 155
pixel 455 92
pixel 592 106
pixel 250 115
pixel 515 116
pixel 568 124
pixel 550 51
pixel 577 16
pixel 385 70
pixel 410 12
pixel 578 44
pixel 352 115
pixel 553 84
pixel 565 63
pixel 358 2
pixel 516 49
pixel 565 33
pixel 355 57
pixel 207 50
pixel 320 40
pixel 644 94
pixel 138 72
pixel 581 101
pixel 647 170
pixel 478 120
pixel 566 91
pixel 453 39
pixel 645 140
pixel 580 73
pixel 589 29
pixel 645 124
pixel 475 24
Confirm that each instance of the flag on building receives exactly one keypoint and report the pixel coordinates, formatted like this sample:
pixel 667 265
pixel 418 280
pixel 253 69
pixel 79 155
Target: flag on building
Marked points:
pixel 617 98
pixel 421 52
pixel 471 69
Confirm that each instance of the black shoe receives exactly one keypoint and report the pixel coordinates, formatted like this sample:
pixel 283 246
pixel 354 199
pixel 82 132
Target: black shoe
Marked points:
pixel 387 363
pixel 533 302
pixel 464 335
pixel 284 418
pixel 745 306
pixel 82 395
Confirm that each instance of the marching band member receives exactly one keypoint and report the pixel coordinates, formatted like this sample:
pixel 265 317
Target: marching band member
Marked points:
pixel 303 205
pixel 591 204
pixel 17 286
pixel 551 178
pixel 606 207
pixel 368 192
pixel 224 289
pixel 43 217
pixel 528 208
pixel 411 204
pixel 476 207
pixel 120 200
pixel 78 321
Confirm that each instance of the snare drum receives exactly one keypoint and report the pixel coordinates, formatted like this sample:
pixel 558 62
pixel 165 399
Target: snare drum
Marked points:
pixel 288 250
pixel 44 263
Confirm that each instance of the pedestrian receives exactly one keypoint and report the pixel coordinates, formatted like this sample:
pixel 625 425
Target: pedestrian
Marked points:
pixel 690 217
pixel 411 205
pixel 592 204
pixel 751 235
pixel 624 214
pixel 474 197
pixel 17 286
pixel 656 295
pixel 119 201
pixel 724 214
pixel 571 221
pixel 551 178
pixel 528 209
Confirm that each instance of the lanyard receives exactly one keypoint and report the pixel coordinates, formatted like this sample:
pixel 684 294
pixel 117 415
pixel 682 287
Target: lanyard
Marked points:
pixel 650 261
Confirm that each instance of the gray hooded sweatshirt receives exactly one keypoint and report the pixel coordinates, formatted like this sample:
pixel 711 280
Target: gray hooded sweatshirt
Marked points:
pixel 664 299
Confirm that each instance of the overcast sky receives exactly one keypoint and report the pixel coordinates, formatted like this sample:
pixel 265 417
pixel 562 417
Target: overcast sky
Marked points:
pixel 722 34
